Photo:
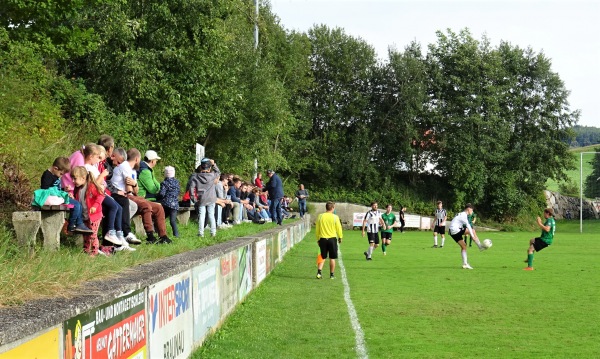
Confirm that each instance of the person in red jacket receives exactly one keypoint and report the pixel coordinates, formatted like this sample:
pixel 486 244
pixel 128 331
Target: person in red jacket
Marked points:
pixel 90 194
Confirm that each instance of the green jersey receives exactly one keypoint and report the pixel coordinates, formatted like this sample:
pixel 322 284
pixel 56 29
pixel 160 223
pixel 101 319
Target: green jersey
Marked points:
pixel 472 218
pixel 388 219
pixel 549 236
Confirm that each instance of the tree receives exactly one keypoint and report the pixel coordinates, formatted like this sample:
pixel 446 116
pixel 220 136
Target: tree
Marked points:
pixel 400 114
pixel 592 181
pixel 59 29
pixel 502 115
pixel 340 106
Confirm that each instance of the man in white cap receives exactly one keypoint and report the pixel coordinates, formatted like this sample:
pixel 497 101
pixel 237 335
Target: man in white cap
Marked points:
pixel 149 186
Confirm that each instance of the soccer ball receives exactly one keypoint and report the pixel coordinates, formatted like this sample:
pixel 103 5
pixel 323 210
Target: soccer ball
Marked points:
pixel 487 243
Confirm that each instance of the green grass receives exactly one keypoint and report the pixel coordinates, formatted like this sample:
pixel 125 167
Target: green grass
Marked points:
pixel 575 174
pixel 48 274
pixel 417 302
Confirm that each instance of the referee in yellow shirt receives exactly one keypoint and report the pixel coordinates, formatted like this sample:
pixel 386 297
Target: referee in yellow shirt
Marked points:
pixel 329 234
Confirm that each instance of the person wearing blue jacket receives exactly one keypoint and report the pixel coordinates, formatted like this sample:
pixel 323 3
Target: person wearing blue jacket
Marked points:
pixel 275 189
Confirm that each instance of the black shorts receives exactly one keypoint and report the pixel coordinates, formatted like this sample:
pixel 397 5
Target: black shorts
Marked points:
pixel 458 236
pixel 386 235
pixel 440 229
pixel 373 237
pixel 538 244
pixel 329 247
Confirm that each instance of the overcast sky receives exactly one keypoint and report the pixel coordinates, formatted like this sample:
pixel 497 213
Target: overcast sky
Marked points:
pixel 565 31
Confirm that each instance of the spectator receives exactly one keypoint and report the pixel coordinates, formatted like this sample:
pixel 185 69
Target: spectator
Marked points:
pixel 128 208
pixel 51 178
pixel 169 198
pixel 203 186
pixel 76 159
pixel 258 180
pixel 235 200
pixel 261 208
pixel 301 195
pixel 91 194
pixel 223 203
pixel 248 214
pixel 152 213
pixel 275 189
pixel 92 154
pixel 149 186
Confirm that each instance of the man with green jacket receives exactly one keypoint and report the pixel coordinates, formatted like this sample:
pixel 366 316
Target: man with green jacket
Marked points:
pixel 148 184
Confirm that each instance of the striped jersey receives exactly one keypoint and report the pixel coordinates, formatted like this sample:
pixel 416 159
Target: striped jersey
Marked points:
pixel 372 221
pixel 440 214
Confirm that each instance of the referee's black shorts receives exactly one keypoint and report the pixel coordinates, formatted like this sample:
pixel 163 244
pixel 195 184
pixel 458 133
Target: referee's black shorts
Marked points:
pixel 329 247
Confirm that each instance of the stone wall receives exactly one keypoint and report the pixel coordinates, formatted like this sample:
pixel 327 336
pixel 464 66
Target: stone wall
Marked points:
pixel 561 204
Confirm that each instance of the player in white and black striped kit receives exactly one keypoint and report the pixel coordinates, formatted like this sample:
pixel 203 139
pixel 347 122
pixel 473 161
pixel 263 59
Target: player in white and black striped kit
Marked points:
pixel 439 224
pixel 372 221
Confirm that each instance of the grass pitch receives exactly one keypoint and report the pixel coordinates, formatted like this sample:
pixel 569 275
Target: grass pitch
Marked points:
pixel 417 302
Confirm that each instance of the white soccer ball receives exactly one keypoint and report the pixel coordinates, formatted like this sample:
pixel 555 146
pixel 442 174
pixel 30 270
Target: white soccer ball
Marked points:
pixel 487 243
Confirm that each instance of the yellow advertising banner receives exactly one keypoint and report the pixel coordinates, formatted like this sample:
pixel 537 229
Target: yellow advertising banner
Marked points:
pixel 43 346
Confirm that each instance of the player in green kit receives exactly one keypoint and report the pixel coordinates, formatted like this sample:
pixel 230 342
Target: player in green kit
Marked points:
pixel 537 244
pixel 389 221
pixel 472 219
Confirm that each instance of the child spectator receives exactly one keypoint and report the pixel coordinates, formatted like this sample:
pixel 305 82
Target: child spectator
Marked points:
pixel 169 194
pixel 75 160
pixel 91 195
pixel 52 178
pixel 93 155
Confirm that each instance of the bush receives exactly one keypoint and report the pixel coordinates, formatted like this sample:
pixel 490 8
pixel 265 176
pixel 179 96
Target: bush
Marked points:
pixel 568 188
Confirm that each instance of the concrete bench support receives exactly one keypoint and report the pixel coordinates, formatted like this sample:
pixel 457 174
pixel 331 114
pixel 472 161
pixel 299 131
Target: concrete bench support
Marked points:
pixel 183 215
pixel 139 226
pixel 52 223
pixel 26 226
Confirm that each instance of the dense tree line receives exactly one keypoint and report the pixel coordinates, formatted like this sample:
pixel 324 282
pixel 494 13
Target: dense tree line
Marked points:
pixel 585 136
pixel 488 124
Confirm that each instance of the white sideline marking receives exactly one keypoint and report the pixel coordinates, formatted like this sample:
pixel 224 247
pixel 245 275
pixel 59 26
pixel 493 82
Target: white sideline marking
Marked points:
pixel 361 348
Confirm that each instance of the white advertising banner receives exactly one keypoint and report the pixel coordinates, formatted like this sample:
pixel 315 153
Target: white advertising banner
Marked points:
pixel 357 219
pixel 425 223
pixel 170 317
pixel 412 221
pixel 261 260
pixel 205 294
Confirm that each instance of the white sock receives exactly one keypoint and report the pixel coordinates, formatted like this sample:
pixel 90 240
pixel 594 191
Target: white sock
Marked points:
pixel 443 240
pixel 478 243
pixel 370 251
pixel 435 240
pixel 463 253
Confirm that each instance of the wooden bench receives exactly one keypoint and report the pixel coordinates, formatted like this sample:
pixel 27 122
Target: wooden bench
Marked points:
pixel 49 218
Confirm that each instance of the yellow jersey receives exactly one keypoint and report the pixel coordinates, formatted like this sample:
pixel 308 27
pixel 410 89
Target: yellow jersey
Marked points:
pixel 328 226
